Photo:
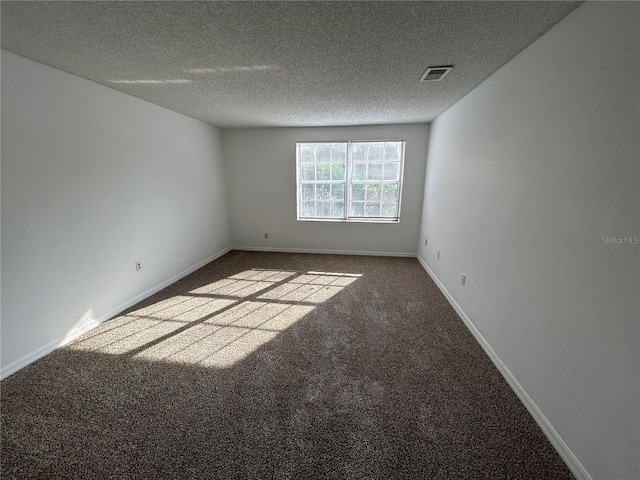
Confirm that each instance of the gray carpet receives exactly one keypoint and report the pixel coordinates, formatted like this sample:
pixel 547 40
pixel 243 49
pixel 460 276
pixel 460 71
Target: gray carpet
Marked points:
pixel 275 366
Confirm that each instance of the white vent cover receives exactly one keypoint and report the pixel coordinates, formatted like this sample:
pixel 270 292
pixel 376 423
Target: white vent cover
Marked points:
pixel 435 74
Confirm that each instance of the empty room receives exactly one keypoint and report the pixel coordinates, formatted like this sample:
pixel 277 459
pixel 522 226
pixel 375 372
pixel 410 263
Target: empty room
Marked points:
pixel 320 240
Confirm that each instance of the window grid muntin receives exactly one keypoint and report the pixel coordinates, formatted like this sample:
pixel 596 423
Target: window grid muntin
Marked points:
pixel 362 156
pixel 397 158
pixel 321 154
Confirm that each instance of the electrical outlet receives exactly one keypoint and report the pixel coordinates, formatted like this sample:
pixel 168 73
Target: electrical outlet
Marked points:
pixel 425 242
pixel 138 266
pixel 438 254
pixel 266 236
pixel 463 280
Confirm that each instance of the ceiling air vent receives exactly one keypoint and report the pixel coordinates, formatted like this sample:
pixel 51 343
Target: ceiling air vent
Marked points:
pixel 435 74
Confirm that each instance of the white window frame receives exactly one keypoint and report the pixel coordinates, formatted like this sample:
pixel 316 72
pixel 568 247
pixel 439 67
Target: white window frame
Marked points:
pixel 348 182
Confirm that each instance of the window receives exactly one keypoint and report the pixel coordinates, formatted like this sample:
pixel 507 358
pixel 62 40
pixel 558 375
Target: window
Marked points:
pixel 350 181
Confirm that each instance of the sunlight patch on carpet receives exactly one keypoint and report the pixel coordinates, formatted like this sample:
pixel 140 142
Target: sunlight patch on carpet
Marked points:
pixel 218 324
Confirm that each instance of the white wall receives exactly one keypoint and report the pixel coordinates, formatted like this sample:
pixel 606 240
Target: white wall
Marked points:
pixel 525 177
pixel 94 180
pixel 261 166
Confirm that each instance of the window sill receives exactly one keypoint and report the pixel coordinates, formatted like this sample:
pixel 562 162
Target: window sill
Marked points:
pixel 351 220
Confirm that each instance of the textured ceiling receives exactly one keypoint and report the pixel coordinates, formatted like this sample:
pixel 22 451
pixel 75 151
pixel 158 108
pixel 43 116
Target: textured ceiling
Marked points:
pixel 237 64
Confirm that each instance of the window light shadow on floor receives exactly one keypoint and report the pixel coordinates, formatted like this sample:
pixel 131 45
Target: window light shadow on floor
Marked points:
pixel 218 324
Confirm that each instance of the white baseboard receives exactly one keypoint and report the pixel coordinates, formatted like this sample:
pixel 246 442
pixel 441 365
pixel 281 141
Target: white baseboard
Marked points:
pixel 552 435
pixel 27 359
pixel 323 251
pixel 90 321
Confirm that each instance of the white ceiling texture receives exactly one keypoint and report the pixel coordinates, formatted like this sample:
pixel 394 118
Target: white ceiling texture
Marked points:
pixel 300 63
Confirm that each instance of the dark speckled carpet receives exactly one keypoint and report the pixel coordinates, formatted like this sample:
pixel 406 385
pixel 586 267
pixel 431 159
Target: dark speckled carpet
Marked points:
pixel 275 366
